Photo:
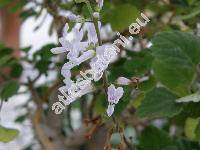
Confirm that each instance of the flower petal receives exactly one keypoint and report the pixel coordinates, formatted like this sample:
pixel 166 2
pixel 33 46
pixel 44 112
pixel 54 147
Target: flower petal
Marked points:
pixel 65 72
pixel 65 30
pixel 58 50
pixel 100 3
pixel 85 56
pixel 92 36
pixel 78 34
pixel 110 110
pixel 66 44
pixel 72 55
pixel 69 65
pixel 118 94
pixel 123 81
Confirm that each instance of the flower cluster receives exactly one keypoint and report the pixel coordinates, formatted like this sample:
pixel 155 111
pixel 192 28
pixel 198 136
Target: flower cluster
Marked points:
pixel 77 52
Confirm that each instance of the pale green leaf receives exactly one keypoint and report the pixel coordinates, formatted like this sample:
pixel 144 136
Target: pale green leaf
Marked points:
pixel 7 134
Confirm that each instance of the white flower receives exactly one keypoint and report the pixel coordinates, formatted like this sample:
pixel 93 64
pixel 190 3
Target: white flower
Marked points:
pixel 110 110
pixel 123 81
pixel 99 64
pixel 68 83
pixel 85 56
pixel 92 35
pixel 65 72
pixel 114 94
pixel 74 47
pixel 96 15
pixel 73 17
pixel 100 3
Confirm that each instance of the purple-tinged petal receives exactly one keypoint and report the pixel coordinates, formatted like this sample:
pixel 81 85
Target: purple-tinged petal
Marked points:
pixel 65 72
pixel 69 65
pixel 58 50
pixel 85 56
pixel 92 35
pixel 100 3
pixel 123 81
pixel 111 94
pixel 110 110
pixel 65 30
pixel 72 55
pixel 78 34
pixel 118 94
pixel 81 46
pixel 66 44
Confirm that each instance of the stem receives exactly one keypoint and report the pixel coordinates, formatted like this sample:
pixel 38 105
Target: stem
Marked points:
pixel 95 21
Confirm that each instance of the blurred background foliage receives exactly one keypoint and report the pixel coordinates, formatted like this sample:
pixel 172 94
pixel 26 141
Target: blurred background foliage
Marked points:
pixel 150 117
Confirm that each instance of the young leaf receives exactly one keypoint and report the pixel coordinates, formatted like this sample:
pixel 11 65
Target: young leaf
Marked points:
pixel 7 134
pixel 190 126
pixel 197 132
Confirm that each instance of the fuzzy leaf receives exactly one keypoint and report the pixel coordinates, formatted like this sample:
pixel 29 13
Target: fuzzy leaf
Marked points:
pixel 159 102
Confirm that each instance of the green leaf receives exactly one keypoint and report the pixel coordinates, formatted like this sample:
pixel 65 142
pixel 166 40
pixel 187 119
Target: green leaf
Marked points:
pixel 176 54
pixel 138 100
pixel 26 49
pixel 18 6
pixel 159 102
pixel 45 52
pixel 190 126
pixel 16 70
pixel 28 13
pixel 9 89
pixel 191 110
pixel 5 60
pixel 7 134
pixel 80 1
pixel 121 17
pixel 171 147
pixel 148 84
pixel 101 103
pixel 139 63
pixel 42 66
pixel 197 132
pixel 153 138
pixel 124 101
pixel 21 119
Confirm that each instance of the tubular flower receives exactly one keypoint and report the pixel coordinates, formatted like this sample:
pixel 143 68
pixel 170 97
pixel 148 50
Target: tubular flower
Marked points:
pixel 100 3
pixel 114 94
pixel 123 81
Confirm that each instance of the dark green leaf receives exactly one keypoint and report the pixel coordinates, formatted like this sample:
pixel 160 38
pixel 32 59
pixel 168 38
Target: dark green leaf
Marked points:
pixel 176 54
pixel 9 89
pixel 16 70
pixel 153 138
pixel 159 102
